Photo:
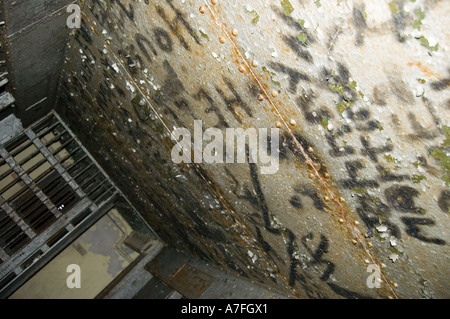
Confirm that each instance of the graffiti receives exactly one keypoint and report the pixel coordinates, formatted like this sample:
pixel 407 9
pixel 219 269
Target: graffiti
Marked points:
pixel 360 22
pixel 444 201
pixel 310 192
pixel 317 255
pixel 294 75
pixel 234 101
pixel 352 139
pixel 174 24
pixel 291 247
pixel 412 229
pixel 128 12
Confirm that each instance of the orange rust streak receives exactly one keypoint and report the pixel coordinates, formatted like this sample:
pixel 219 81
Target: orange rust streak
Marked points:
pixel 423 68
pixel 267 95
pixel 300 147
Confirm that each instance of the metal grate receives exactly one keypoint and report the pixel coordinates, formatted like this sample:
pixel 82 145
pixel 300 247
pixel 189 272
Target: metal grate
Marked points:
pixel 49 186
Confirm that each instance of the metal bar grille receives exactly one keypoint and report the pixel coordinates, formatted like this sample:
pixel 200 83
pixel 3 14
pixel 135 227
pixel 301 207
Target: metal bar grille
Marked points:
pixel 49 189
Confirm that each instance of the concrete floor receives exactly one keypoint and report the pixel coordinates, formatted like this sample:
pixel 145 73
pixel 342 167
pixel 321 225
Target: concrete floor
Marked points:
pixel 193 278
pixel 101 254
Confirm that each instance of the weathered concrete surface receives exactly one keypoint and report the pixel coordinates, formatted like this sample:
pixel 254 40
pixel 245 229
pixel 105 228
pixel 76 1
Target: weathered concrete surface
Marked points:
pixel 364 172
pixel 35 35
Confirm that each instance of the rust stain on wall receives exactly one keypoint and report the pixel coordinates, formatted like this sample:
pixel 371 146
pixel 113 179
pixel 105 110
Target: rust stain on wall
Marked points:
pixel 338 81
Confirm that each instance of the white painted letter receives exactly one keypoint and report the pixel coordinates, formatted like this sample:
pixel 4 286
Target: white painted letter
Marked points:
pixel 74 280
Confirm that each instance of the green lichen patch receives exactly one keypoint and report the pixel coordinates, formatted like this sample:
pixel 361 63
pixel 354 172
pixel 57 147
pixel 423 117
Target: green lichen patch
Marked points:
pixel 302 38
pixel 324 122
pixel 271 74
pixel 389 158
pixel 447 136
pixel 395 250
pixel 424 41
pixel 203 34
pixel 416 179
pixel 418 22
pixel 358 190
pixel 361 94
pixel 342 106
pixel 338 88
pixel 287 7
pixel 444 160
pixel 256 16
pixel 352 85
pixel 302 23
pixel 421 81
pixel 394 7
pixel 418 163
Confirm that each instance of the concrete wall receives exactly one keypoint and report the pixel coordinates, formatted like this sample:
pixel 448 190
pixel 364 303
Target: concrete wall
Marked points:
pixel 360 92
pixel 35 35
